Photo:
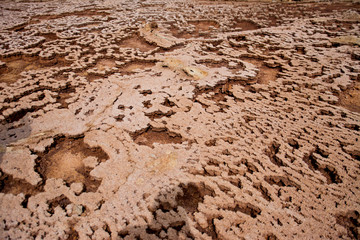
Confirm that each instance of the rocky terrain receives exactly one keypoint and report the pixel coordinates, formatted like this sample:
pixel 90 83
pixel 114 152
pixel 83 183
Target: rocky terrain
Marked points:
pixel 179 120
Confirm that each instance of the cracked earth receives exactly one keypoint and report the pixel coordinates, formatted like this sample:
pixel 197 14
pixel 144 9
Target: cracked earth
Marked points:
pixel 179 120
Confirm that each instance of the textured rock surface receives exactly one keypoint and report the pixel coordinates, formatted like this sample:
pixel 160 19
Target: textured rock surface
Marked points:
pixel 179 120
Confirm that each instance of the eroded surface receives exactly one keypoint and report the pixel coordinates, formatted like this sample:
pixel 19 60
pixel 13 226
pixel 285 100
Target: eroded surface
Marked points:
pixel 179 120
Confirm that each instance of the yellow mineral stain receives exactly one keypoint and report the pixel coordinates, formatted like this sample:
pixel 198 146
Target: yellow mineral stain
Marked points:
pixel 163 163
pixel 195 73
pixel 178 65
pixel 346 40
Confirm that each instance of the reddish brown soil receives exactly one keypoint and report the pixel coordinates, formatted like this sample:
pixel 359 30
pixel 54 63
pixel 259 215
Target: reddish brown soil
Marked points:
pixel 65 160
pixel 137 42
pixel 18 64
pixel 350 98
pixel 150 136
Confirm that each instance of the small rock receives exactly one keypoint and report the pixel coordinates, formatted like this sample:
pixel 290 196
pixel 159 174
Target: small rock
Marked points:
pixel 77 188
pixel 77 209
pixel 153 25
pixel 232 65
pixel 69 209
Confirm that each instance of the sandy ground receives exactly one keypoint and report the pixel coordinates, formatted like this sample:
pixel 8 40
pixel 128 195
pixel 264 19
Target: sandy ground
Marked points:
pixel 179 120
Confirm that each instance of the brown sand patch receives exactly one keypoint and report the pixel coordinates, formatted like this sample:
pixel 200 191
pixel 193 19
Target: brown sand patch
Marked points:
pixel 92 77
pixel 49 36
pixel 267 74
pixel 350 98
pixel 131 67
pixel 65 160
pixel 137 42
pixel 150 136
pixel 16 65
pixel 14 68
pixel 245 25
pixel 105 63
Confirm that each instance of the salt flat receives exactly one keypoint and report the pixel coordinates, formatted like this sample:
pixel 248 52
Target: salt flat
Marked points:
pixel 179 120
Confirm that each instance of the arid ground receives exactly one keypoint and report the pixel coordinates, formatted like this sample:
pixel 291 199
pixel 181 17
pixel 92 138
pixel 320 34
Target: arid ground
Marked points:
pixel 179 120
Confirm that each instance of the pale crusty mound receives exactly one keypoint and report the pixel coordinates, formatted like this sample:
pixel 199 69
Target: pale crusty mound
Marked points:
pixel 179 120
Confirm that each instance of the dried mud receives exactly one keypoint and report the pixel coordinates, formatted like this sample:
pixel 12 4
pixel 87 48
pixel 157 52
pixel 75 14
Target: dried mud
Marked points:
pixel 179 120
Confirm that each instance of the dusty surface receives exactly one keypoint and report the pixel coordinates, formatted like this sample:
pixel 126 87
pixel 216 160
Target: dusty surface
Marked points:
pixel 179 120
